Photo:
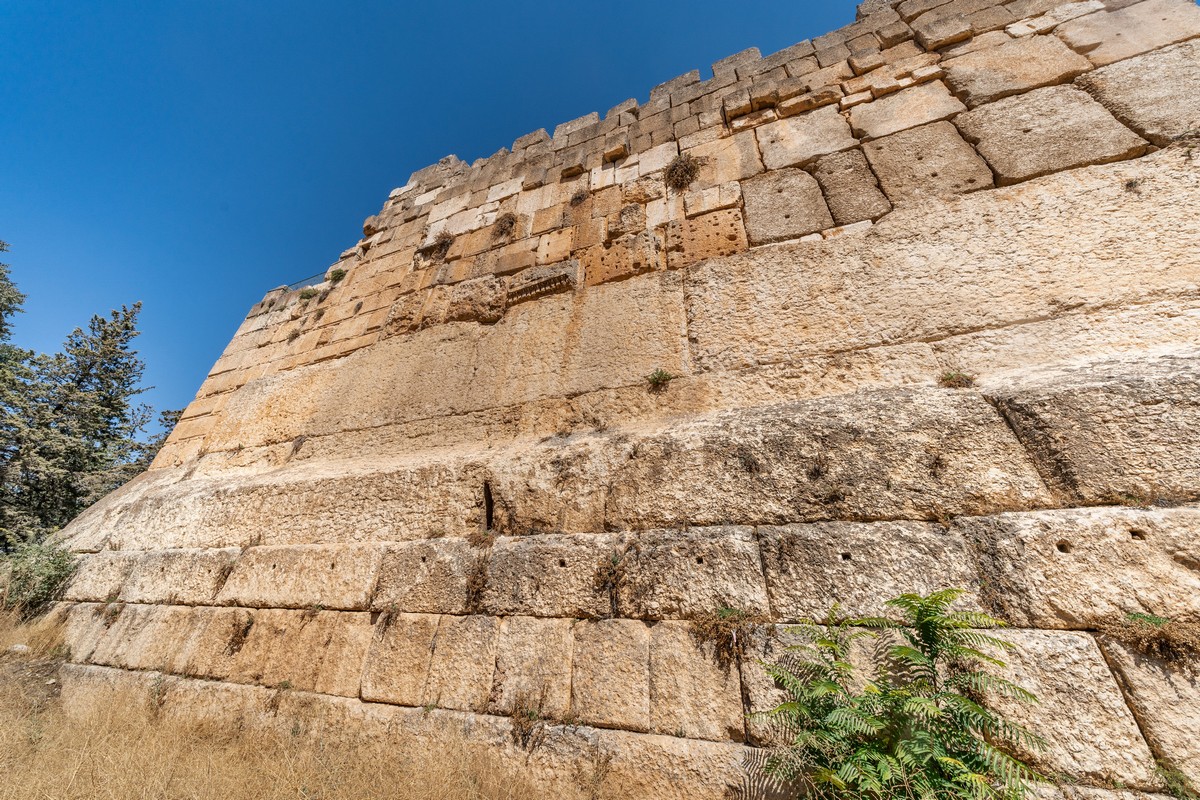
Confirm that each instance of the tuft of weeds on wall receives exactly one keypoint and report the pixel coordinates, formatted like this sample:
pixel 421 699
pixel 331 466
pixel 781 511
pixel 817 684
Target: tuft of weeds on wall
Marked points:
pixel 1175 783
pixel 1175 643
pixel 293 335
pixel 479 537
pixel 659 380
pixel 1133 185
pixel 956 380
pixel 579 198
pixel 528 719
pixel 336 276
pixel 505 225
pixel 610 577
pixel 38 573
pixel 239 632
pixel 308 293
pixel 728 631
pixel 441 245
pixel 681 172
pixel 476 584
pixel 916 727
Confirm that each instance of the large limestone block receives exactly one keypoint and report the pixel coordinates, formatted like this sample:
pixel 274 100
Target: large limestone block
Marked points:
pixel 1080 240
pixel 733 158
pixel 1164 698
pixel 1080 568
pixel 682 574
pixel 610 674
pixel 100 576
pixel 181 577
pixel 908 454
pixel 1118 431
pixel 784 204
pixel 304 576
pixel 1156 94
pixel 533 666
pixel 666 767
pixel 859 566
pixel 427 577
pixel 1110 36
pixel 397 663
pixel 1016 66
pixel 931 159
pixel 1047 130
pixel 1090 733
pixel 920 105
pixel 796 141
pixel 850 188
pixel 691 695
pixel 549 575
pixel 464 659
pixel 695 239
pixel 149 637
pixel 84 625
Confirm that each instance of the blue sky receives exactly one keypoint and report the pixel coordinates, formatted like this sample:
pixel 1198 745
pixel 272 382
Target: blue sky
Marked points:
pixel 194 155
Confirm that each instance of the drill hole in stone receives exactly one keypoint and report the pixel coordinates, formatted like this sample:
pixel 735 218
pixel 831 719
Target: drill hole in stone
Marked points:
pixel 1137 536
pixel 699 559
pixel 846 557
pixel 1063 546
pixel 562 562
pixel 489 506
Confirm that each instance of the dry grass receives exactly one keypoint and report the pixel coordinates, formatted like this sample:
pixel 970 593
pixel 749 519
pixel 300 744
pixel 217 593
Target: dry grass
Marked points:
pixel 728 631
pixel 1176 643
pixel 124 749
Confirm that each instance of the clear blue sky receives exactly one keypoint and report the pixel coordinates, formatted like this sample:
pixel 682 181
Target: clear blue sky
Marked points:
pixel 193 155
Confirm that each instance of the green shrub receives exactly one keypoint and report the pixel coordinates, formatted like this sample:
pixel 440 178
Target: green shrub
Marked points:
pixel 659 379
pixel 38 574
pixel 308 294
pixel 335 276
pixel 917 727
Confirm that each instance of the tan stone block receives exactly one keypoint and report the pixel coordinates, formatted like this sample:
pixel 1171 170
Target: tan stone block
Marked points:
pixel 1090 733
pixel 477 300
pixel 933 32
pixel 428 576
pixel 100 576
pixel 464 659
pixel 1080 568
pixel 546 219
pixel 859 565
pixel 629 220
pixel 826 95
pixel 533 665
pixel 1161 696
pixel 1156 94
pixel 549 575
pixel 589 233
pixel 1015 66
pixel 623 258
pixel 851 190
pixel 1110 36
pixel 84 625
pixel 690 241
pixel 610 674
pixel 184 577
pixel 397 663
pixel 927 102
pixel 691 695
pixel 319 652
pixel 682 574
pixel 715 198
pixel 733 158
pixel 555 246
pixel 797 140
pixel 929 160
pixel 784 204
pixel 303 576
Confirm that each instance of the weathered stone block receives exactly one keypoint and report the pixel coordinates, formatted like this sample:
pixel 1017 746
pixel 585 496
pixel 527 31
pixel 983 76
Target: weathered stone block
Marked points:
pixel 859 566
pixel 929 160
pixel 1047 130
pixel 479 300
pixel 1080 568
pixel 100 576
pixel 718 233
pixel 303 576
pixel 1157 94
pixel 1110 36
pixel 733 158
pixel 397 663
pixel 934 31
pixel 610 674
pixel 182 577
pixel 1162 697
pixel 428 576
pixel 615 260
pixel 681 574
pixel 691 695
pixel 533 665
pixel 1113 432
pixel 784 204
pixel 1016 66
pixel 549 575
pixel 850 188
pixel 797 140
pixel 464 657
pixel 919 105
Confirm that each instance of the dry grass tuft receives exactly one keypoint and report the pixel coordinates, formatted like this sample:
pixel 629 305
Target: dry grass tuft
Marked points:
pixel 123 748
pixel 1176 643
pixel 682 171
pixel 956 380
pixel 728 631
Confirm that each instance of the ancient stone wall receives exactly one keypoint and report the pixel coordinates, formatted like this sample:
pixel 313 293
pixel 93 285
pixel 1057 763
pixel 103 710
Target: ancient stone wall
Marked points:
pixel 438 490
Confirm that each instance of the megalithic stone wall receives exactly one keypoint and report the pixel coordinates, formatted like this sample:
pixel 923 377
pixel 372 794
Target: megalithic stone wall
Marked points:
pixel 438 489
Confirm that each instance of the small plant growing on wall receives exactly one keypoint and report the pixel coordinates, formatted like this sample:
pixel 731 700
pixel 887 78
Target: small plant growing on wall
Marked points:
pixel 308 293
pixel 579 198
pixel 917 727
pixel 659 379
pixel 441 245
pixel 956 380
pixel 1176 643
pixel 337 275
pixel 682 171
pixel 506 224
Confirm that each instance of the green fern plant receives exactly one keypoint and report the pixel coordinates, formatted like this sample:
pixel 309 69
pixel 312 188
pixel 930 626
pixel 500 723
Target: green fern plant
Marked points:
pixel 917 728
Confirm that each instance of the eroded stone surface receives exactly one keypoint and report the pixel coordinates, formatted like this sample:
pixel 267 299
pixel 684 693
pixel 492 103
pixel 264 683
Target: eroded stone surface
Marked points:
pixel 1110 36
pixel 931 159
pixel 919 105
pixel 1157 94
pixel 784 204
pixel 1015 66
pixel 312 576
pixel 850 188
pixel 798 140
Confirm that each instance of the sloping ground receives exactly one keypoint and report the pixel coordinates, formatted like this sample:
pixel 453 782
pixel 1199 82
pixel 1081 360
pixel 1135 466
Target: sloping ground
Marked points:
pixel 466 525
